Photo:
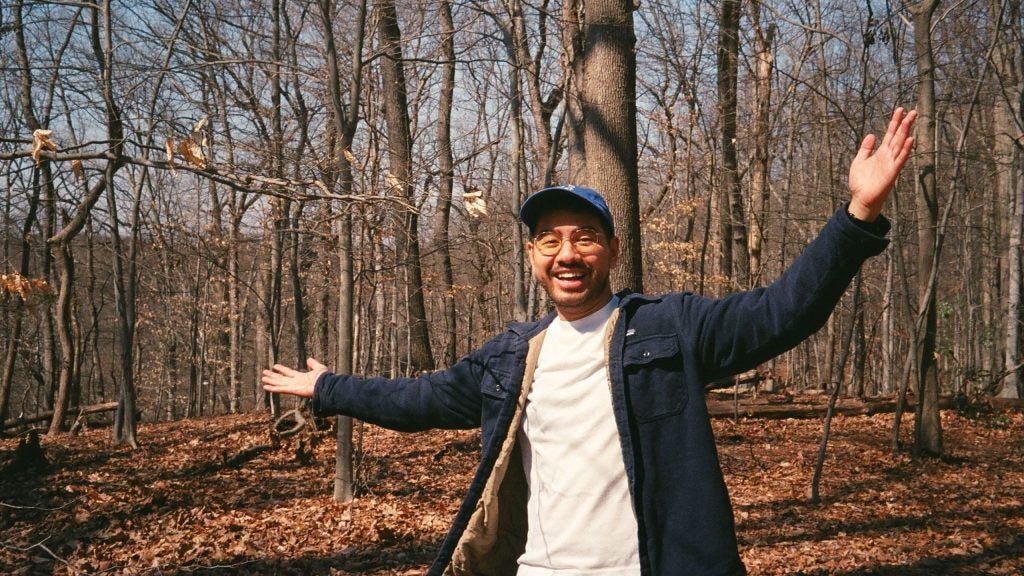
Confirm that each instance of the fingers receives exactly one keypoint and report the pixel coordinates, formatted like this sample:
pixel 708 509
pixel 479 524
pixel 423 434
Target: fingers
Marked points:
pixel 276 375
pixel 867 146
pixel 283 370
pixel 281 379
pixel 891 129
pixel 898 134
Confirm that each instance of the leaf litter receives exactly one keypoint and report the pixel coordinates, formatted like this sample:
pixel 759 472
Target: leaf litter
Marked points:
pixel 175 505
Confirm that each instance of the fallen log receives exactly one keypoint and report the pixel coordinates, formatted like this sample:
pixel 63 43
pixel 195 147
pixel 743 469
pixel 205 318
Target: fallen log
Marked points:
pixel 807 406
pixel 1015 404
pixel 48 415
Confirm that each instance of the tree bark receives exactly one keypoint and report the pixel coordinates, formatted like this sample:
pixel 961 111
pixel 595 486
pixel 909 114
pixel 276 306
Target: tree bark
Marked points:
pixel 608 95
pixel 736 260
pixel 1008 120
pixel 396 112
pixel 345 122
pixel 927 425
pixel 761 170
pixel 446 184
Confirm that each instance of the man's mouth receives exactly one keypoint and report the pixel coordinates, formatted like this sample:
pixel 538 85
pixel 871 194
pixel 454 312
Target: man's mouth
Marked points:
pixel 569 275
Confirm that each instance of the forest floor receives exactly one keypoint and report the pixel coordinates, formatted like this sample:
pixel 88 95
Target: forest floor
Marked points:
pixel 180 504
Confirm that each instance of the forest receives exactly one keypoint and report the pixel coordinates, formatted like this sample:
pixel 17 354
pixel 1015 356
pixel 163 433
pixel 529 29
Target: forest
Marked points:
pixel 196 190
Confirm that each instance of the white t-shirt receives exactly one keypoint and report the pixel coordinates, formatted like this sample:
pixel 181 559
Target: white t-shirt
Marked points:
pixel 581 518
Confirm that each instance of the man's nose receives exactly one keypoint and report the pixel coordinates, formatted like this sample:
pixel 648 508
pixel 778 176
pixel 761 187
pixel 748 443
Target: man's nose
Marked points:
pixel 567 251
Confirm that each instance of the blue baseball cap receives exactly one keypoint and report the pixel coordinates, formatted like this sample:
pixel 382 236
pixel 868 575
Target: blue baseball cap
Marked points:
pixel 555 196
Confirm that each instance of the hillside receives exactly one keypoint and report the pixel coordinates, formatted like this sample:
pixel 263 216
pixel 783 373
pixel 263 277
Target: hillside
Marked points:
pixel 192 500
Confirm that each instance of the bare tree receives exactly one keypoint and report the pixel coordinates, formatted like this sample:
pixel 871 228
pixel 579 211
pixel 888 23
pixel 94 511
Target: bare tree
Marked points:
pixel 345 118
pixel 735 258
pixel 1008 119
pixel 446 181
pixel 396 111
pixel 927 425
pixel 764 37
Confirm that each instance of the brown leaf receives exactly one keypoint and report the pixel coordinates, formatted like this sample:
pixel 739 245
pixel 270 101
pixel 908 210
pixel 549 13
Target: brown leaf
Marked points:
pixel 169 148
pixel 193 153
pixel 41 141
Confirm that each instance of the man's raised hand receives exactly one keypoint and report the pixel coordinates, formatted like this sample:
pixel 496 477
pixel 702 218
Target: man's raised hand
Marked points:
pixel 873 172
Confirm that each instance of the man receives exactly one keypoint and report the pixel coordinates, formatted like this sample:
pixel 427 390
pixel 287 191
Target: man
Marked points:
pixel 598 456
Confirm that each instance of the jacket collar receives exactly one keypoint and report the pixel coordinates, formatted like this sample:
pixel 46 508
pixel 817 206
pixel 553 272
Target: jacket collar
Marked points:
pixel 527 330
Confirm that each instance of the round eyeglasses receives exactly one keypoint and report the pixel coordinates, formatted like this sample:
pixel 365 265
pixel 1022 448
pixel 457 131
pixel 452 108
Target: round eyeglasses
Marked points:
pixel 584 241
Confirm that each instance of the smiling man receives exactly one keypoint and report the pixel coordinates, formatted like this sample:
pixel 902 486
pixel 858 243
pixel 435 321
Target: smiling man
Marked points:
pixel 598 456
pixel 573 248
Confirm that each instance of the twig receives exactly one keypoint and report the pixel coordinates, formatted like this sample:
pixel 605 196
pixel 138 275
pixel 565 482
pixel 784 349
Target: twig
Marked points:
pixel 36 545
pixel 16 507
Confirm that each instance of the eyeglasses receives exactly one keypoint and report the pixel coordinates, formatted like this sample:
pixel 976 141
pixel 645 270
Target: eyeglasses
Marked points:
pixel 584 241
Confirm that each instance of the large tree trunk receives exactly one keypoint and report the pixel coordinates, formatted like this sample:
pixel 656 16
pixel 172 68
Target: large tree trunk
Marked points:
pixel 928 425
pixel 608 95
pixel 396 112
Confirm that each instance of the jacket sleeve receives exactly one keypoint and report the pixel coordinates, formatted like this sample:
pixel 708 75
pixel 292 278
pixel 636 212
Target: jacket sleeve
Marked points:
pixel 443 399
pixel 745 329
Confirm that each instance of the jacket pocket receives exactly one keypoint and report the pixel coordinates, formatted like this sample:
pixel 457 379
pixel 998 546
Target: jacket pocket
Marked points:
pixel 653 368
pixel 497 376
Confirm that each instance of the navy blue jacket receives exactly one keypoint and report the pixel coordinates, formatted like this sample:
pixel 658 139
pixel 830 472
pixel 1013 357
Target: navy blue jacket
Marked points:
pixel 661 352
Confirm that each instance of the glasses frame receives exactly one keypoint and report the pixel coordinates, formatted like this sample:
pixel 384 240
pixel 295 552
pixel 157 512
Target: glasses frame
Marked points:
pixel 573 239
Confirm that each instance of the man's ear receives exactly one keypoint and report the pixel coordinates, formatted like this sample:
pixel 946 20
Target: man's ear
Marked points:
pixel 613 246
pixel 530 254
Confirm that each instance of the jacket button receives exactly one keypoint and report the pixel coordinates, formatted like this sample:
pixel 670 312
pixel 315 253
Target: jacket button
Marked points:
pixel 646 354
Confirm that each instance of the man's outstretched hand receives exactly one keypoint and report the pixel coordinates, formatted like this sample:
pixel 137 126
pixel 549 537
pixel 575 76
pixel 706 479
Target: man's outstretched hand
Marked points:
pixel 873 172
pixel 284 380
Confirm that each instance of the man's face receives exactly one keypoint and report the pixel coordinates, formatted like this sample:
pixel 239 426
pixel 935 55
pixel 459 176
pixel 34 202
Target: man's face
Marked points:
pixel 578 284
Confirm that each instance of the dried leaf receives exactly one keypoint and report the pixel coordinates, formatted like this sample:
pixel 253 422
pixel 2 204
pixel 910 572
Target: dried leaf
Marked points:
pixel 76 167
pixel 394 183
pixel 192 152
pixel 169 147
pixel 475 203
pixel 26 288
pixel 192 147
pixel 40 141
pixel 348 155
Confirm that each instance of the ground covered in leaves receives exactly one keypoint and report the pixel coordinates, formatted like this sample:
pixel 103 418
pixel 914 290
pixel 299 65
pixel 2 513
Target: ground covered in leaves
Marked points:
pixel 196 499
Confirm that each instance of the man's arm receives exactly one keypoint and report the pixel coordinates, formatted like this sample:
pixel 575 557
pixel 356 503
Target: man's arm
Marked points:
pixel 443 399
pixel 747 328
pixel 873 172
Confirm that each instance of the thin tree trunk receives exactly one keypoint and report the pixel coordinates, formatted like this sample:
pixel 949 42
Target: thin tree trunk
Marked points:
pixel 928 426
pixel 736 260
pixel 512 40
pixel 1008 118
pixel 446 183
pixel 66 270
pixel 761 170
pixel 346 120
pixel 396 112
